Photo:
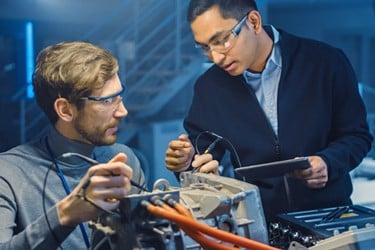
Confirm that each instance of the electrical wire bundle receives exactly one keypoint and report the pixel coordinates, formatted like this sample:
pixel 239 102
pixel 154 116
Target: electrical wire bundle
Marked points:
pixel 169 209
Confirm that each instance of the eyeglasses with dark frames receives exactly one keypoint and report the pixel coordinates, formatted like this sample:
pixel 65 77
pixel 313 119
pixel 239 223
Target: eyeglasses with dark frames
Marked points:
pixel 111 101
pixel 226 41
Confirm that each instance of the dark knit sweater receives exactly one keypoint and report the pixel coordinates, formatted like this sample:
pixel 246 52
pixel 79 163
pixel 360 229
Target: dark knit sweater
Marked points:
pixel 320 112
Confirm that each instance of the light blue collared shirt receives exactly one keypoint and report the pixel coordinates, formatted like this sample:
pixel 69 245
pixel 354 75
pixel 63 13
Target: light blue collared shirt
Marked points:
pixel 266 84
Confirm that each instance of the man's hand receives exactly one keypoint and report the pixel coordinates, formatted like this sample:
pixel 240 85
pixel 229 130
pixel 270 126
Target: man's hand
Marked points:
pixel 179 154
pixel 103 185
pixel 315 176
pixel 204 163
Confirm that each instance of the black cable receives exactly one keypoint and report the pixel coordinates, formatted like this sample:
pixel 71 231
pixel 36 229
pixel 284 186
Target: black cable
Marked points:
pixel 84 186
pixel 45 209
pixel 94 162
pixel 84 197
pixel 219 138
pixel 104 240
pixel 66 188
pixel 234 155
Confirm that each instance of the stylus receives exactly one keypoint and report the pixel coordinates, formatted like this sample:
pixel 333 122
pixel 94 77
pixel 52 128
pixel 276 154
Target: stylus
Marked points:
pixel 94 162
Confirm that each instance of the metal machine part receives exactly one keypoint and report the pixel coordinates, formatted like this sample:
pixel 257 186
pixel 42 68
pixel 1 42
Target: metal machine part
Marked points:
pixel 220 202
pixel 223 199
pixel 233 206
pixel 344 228
pixel 215 212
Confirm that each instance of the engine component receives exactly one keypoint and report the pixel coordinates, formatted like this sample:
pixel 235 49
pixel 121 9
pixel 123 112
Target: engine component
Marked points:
pixel 222 203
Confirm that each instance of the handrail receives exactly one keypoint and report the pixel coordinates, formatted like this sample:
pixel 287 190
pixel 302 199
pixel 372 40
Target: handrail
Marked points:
pixel 155 48
pixel 150 74
pixel 106 19
pixel 140 18
pixel 171 56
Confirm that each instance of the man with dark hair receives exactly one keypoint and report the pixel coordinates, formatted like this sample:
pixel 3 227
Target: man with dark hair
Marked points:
pixel 47 191
pixel 274 96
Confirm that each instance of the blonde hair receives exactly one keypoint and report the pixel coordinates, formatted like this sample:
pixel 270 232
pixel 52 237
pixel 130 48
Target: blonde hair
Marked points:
pixel 70 70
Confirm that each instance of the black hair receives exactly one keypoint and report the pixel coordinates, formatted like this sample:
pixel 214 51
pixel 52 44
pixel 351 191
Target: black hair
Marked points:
pixel 229 8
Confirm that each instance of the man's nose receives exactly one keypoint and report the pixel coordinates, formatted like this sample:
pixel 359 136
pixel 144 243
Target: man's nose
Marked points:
pixel 121 110
pixel 217 57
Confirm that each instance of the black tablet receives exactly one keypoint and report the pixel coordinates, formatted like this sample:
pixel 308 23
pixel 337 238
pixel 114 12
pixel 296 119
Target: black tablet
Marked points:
pixel 271 169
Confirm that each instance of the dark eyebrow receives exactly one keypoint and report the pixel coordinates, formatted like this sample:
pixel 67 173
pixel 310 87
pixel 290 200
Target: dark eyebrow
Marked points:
pixel 213 38
pixel 216 35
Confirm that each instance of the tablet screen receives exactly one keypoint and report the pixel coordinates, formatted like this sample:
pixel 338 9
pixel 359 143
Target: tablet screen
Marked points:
pixel 272 169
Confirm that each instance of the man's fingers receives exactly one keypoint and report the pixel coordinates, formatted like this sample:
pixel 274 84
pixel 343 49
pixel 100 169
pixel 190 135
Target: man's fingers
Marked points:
pixel 120 157
pixel 209 167
pixel 199 160
pixel 178 144
pixel 184 137
pixel 179 154
pixel 205 164
pixel 316 183
pixel 109 181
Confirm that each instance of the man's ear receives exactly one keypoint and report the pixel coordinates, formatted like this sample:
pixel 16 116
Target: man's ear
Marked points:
pixel 255 21
pixel 64 109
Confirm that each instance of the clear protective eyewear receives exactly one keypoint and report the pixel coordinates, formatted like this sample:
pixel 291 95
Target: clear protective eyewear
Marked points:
pixel 226 41
pixel 109 102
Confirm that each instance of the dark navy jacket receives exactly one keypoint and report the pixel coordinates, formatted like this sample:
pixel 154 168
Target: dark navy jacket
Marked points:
pixel 320 112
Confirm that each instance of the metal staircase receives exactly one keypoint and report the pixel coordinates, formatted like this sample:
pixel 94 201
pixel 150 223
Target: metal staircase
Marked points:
pixel 157 60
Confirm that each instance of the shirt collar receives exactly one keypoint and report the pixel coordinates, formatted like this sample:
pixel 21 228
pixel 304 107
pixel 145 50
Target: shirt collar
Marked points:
pixel 275 57
pixel 275 54
pixel 60 144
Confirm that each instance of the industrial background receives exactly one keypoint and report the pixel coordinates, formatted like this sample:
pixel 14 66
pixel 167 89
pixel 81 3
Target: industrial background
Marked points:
pixel 158 61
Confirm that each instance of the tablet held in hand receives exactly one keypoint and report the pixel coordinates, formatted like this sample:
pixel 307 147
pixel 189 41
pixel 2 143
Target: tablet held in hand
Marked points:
pixel 271 169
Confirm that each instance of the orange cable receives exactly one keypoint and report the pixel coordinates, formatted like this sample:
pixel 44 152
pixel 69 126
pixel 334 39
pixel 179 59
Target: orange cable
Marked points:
pixel 195 235
pixel 216 233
